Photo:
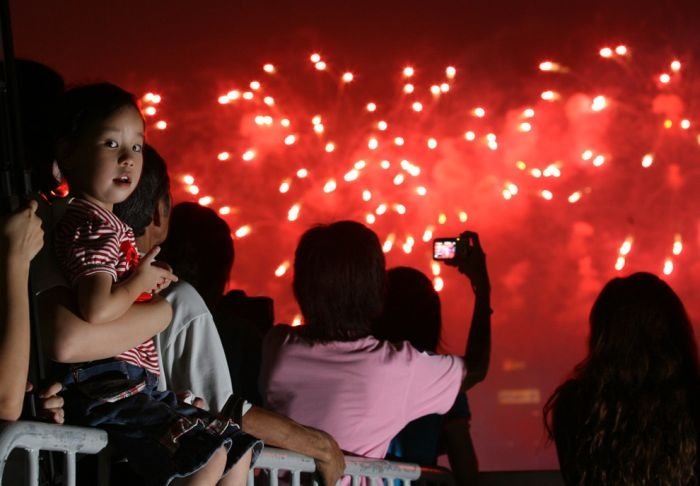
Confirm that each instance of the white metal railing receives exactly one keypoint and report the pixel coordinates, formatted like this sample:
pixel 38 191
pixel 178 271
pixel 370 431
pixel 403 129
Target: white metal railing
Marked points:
pixel 35 436
pixel 282 464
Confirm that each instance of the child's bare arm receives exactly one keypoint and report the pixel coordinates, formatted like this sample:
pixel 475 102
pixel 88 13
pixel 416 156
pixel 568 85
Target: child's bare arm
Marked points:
pixel 100 300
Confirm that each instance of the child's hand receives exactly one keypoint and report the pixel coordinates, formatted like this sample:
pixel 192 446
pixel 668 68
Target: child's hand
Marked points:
pixel 22 236
pixel 164 283
pixel 149 275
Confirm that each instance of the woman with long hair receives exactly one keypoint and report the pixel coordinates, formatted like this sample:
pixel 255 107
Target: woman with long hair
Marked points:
pixel 629 413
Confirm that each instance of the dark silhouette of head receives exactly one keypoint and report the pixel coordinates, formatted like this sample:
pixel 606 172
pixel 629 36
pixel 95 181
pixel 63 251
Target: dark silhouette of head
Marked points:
pixel 200 249
pixel 339 280
pixel 411 310
pixel 140 207
pixel 637 388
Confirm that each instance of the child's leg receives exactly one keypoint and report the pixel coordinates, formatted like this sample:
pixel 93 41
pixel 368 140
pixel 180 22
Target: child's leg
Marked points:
pixel 210 474
pixel 238 475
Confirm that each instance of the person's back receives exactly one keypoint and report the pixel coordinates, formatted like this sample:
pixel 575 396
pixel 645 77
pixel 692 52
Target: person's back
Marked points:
pixel 629 414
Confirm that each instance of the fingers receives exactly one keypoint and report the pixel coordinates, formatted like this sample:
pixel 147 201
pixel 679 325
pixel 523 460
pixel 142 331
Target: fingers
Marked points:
pixel 32 206
pixel 51 390
pixel 150 256
pixel 29 387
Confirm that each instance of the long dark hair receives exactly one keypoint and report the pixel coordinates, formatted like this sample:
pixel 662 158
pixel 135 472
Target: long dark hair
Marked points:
pixel 636 390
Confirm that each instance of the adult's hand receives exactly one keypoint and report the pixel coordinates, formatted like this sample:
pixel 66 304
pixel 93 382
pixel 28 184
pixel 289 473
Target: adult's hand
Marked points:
pixel 50 406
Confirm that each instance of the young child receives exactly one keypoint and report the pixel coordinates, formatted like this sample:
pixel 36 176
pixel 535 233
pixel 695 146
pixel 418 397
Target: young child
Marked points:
pixel 99 137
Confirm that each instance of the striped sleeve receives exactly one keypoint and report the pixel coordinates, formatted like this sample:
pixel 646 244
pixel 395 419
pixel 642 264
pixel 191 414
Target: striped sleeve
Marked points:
pixel 86 244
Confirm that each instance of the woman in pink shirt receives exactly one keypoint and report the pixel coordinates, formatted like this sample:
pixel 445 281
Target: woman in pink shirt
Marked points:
pixel 332 373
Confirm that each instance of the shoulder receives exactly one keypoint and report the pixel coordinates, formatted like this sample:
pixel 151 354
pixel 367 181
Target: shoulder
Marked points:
pixel 186 302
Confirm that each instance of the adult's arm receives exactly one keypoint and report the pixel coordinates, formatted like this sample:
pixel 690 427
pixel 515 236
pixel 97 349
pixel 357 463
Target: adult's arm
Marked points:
pixel 70 339
pixel 20 240
pixel 279 431
pixel 477 353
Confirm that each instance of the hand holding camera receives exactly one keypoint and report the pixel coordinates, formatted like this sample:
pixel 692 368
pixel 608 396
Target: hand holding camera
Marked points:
pixel 466 254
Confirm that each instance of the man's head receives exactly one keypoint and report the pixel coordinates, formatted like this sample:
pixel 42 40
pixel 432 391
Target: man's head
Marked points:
pixel 148 207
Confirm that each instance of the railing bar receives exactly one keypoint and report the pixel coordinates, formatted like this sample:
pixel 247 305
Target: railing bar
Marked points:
pixel 70 469
pixel 33 467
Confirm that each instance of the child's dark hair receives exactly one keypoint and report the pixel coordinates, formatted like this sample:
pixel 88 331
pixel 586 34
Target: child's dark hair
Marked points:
pixel 80 108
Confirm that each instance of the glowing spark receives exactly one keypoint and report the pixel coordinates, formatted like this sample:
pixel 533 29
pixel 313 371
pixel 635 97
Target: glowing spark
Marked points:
pixel 575 197
pixel 301 173
pixel 444 88
pixel 243 231
pixel 385 164
pixel 417 106
pixel 435 90
pixel 285 122
pixel 479 112
pixel 525 127
pixel 521 165
pixel 621 50
pixel 400 208
pixel 388 243
pixel 685 124
pixel 382 125
pixel 282 269
pixel 549 66
pixel 408 71
pixel 421 191
pixel 269 68
pixel 470 136
pixel 428 234
pixel 587 155
pixel 398 179
pixel 528 113
pixel 188 179
pixel 549 95
pixel 512 188
pixel 432 143
pixel 399 141
pixel 438 284
pixel 233 95
pixel 463 216
pixel 224 210
pixel 551 171
pixel 223 100
pixel 366 195
pixel 598 160
pixel 381 209
pixel 285 185
pixel 371 107
pixel 205 201
pixel 668 266
pixel 450 72
pixel 434 266
pixel 290 139
pixel 677 245
pixel 408 88
pixel 360 164
pixel 351 175
pixel 330 147
pixel 248 155
pixel 370 218
pixel 320 66
pixel 329 186
pixel 315 57
pixel 507 195
pixel 296 322
pixel 319 128
pixel 668 124
pixel 248 95
pixel 442 219
pixel 620 263
pixel 161 125
pixel 223 156
pixel 676 66
pixel 599 103
pixel 536 173
pixel 372 143
pixel 269 100
pixel 664 78
pixel 547 195
pixel 348 77
pixel 606 52
pixel 150 111
pixel 194 190
pixel 293 212
pixel 626 246
pixel 255 85
pixel 647 160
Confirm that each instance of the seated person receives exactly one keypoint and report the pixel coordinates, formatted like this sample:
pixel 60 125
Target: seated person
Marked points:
pixel 412 313
pixel 629 413
pixel 331 372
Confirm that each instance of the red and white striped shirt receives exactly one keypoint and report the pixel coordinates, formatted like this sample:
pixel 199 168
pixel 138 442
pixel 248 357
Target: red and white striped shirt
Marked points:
pixel 89 240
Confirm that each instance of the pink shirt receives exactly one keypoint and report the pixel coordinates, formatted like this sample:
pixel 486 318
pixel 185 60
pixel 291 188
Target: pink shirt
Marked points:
pixel 361 392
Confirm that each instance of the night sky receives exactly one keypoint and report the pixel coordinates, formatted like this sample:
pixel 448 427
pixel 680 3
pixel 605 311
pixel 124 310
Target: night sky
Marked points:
pixel 549 251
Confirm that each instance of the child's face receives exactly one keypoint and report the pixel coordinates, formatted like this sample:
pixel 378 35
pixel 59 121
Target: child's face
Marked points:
pixel 105 164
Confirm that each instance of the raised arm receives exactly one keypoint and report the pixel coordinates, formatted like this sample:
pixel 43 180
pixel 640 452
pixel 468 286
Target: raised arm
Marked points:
pixel 20 240
pixel 71 339
pixel 477 352
pixel 101 301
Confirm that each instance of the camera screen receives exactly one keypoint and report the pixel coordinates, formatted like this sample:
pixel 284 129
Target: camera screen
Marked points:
pixel 444 249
